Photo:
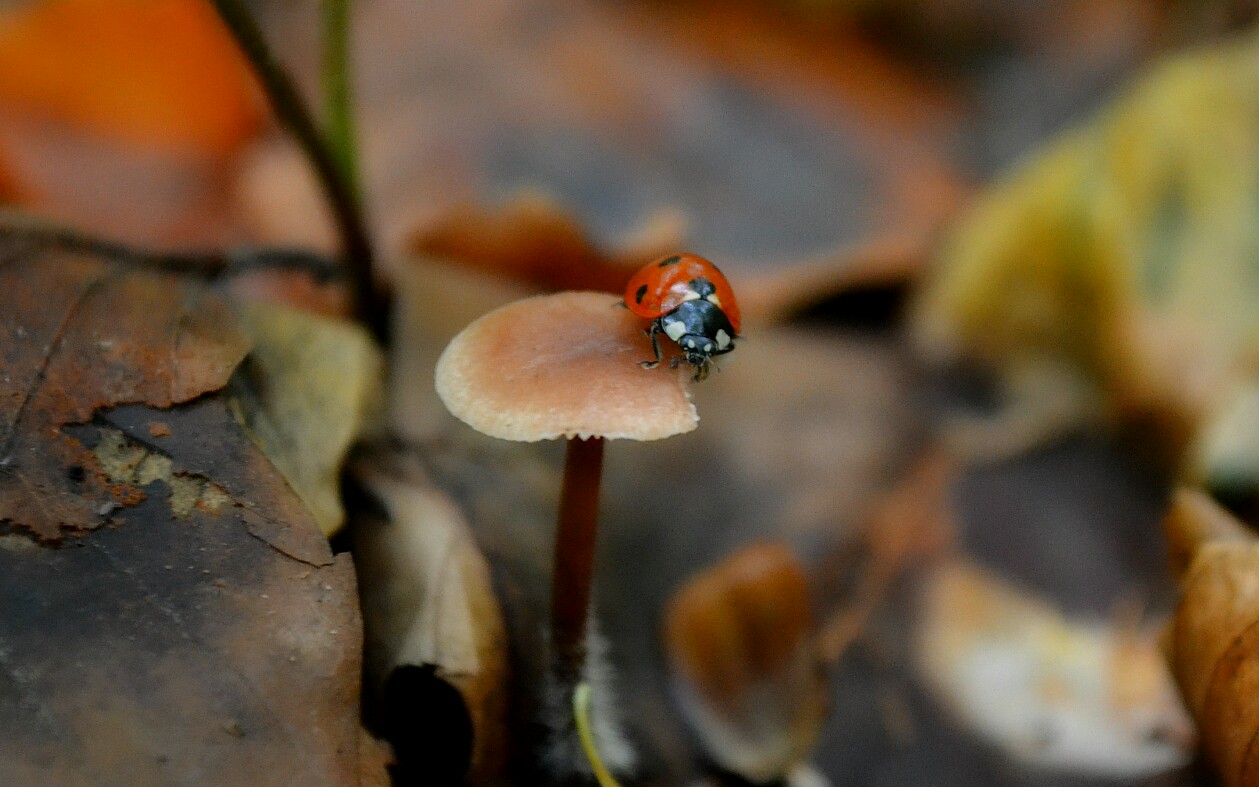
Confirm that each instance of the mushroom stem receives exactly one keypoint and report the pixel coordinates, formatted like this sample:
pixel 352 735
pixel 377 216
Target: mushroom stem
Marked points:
pixel 575 557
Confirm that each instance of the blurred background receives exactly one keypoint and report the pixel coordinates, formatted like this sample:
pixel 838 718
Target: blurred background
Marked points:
pixel 998 266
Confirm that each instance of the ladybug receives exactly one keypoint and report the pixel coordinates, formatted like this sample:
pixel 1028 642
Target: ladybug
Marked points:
pixel 689 300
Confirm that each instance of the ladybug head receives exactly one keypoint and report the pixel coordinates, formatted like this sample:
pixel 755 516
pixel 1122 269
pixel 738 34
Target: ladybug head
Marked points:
pixel 699 348
pixel 700 329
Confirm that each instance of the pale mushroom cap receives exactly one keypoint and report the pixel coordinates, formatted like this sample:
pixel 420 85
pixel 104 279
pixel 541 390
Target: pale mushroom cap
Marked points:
pixel 563 365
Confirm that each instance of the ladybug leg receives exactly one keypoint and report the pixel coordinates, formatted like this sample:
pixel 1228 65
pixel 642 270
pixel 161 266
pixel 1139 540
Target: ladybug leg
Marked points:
pixel 655 345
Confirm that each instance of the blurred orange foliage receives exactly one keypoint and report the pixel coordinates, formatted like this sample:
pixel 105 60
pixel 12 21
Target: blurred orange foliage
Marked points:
pixel 162 73
pixel 9 191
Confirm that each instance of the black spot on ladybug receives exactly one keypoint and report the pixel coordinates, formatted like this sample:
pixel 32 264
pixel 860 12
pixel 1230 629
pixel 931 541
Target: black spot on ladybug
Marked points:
pixel 674 260
pixel 638 296
pixel 702 286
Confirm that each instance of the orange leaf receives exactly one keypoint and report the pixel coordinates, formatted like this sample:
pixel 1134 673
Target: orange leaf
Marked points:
pixel 150 72
pixel 9 192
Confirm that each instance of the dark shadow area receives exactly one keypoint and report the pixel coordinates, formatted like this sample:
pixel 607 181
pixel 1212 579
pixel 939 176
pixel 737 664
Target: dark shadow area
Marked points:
pixel 873 308
pixel 425 719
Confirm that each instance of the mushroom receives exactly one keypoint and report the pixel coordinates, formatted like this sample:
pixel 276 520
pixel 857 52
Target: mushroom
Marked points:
pixel 565 365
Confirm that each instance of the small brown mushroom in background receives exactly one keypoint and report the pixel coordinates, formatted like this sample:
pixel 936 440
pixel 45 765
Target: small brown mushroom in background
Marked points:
pixel 742 646
pixel 566 365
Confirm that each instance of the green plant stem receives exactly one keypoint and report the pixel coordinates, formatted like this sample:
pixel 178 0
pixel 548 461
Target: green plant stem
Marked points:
pixel 338 108
pixel 369 304
pixel 575 557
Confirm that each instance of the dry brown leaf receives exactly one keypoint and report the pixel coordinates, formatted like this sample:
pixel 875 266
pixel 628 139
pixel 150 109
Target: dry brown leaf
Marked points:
pixel 209 635
pixel 375 757
pixel 196 625
pixel 428 603
pixel 84 335
pixel 1213 643
pixel 534 241
pixel 1194 520
pixel 740 641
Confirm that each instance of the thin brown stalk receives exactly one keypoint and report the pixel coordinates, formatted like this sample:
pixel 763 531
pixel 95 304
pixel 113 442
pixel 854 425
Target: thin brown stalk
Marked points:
pixel 296 117
pixel 574 556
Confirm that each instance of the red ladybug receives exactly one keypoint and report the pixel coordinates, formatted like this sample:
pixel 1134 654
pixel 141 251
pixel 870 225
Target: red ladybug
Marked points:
pixel 689 300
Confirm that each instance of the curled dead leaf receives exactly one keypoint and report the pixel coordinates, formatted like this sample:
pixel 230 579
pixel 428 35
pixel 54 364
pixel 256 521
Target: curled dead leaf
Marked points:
pixel 534 241
pixel 786 290
pixel 432 620
pixel 740 641
pixel 1213 644
pixel 311 386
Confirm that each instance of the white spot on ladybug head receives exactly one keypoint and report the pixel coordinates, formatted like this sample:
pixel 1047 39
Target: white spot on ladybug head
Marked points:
pixel 708 347
pixel 690 343
pixel 714 300
pixel 723 339
pixel 675 329
pixel 691 295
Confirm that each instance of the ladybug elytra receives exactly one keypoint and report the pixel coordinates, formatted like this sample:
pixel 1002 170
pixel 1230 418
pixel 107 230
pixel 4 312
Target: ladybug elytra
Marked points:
pixel 688 300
